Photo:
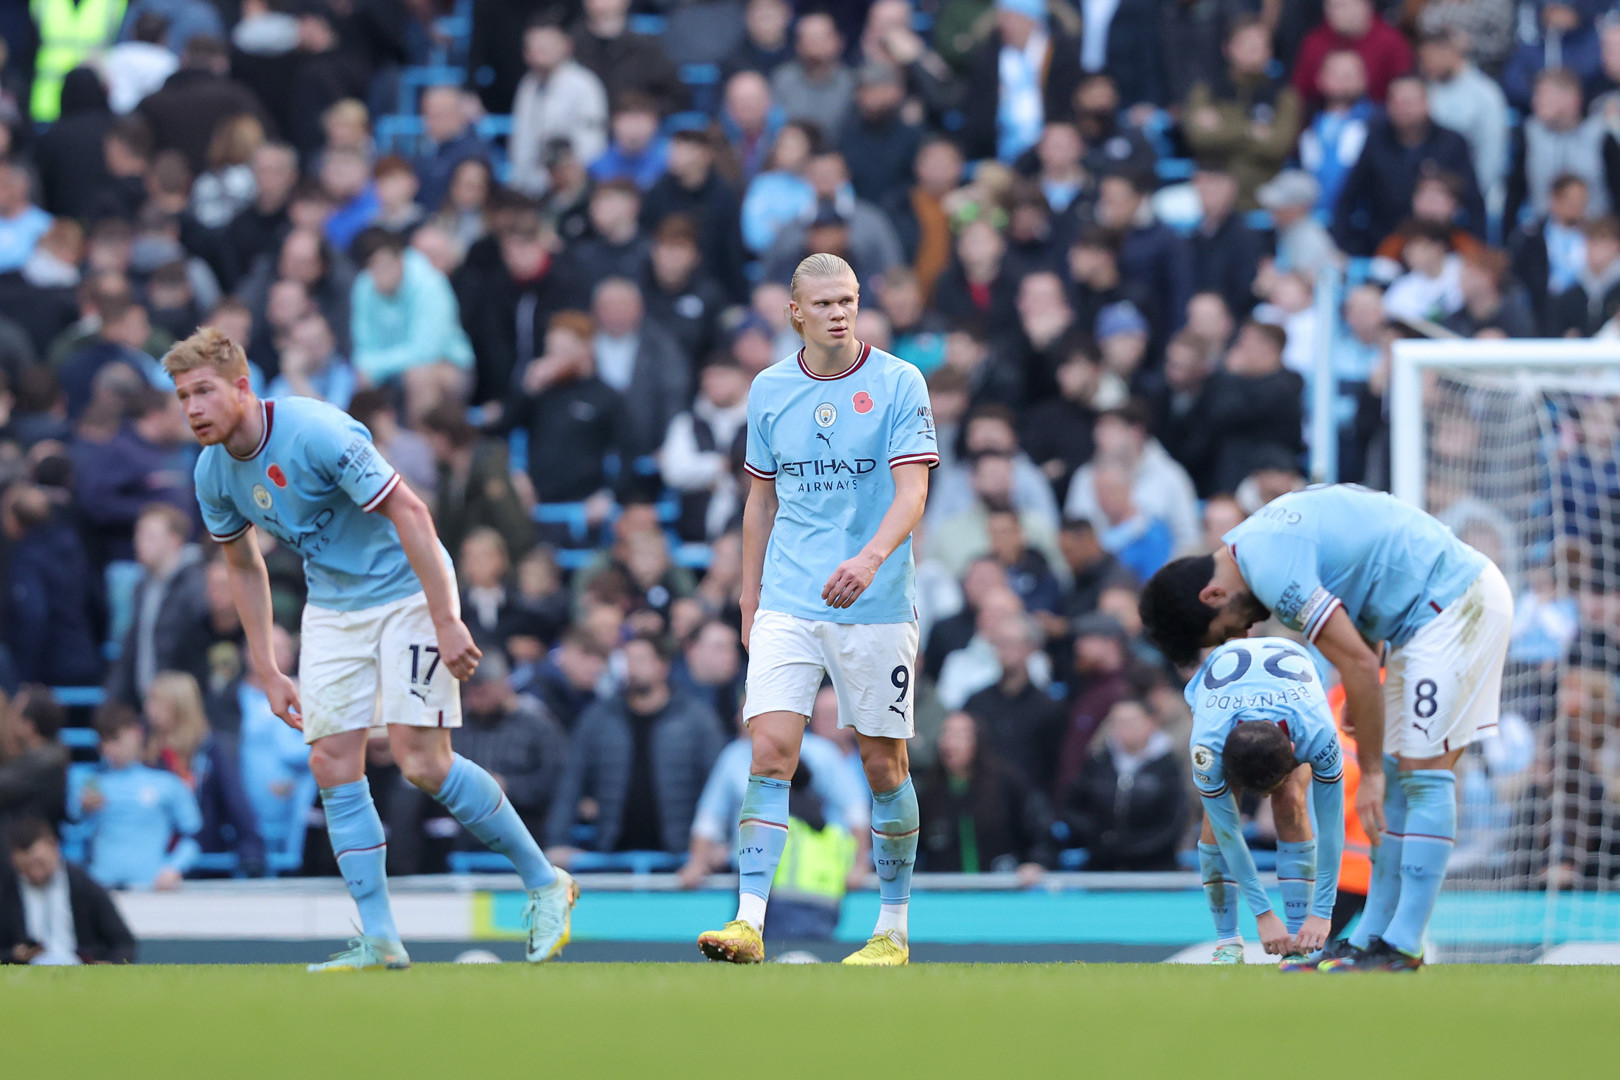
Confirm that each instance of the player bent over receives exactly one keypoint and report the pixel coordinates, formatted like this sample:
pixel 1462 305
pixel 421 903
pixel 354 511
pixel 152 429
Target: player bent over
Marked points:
pixel 382 619
pixel 1260 720
pixel 840 441
pixel 1350 569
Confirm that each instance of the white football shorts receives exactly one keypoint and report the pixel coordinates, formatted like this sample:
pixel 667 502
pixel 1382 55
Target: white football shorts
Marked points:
pixel 873 667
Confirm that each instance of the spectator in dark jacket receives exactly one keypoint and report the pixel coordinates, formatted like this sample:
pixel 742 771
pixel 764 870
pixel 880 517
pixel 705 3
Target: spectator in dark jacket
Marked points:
pixel 32 930
pixel 195 99
pixel 1101 679
pixel 143 463
pixel 573 418
pixel 33 776
pixel 1025 70
pixel 1547 255
pixel 615 246
pixel 1243 112
pixel 169 627
pixel 70 156
pixel 1226 252
pixel 1594 299
pixel 626 61
pixel 639 763
pixel 693 187
pixel 452 139
pixel 978 814
pixel 475 482
pixel 1021 723
pixel 1402 146
pixel 257 228
pixel 1250 411
pixel 1128 806
pixel 642 363
pixel 51 614
pixel 683 299
pixel 510 287
pixel 1150 253
pixel 878 143
pixel 566 680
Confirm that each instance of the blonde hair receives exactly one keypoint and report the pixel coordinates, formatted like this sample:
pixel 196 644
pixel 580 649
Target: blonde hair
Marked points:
pixel 179 691
pixel 235 141
pixel 210 348
pixel 818 267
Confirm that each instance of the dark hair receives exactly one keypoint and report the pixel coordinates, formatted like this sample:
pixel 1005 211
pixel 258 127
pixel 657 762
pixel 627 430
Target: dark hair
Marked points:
pixel 661 644
pixel 114 718
pixel 36 705
pixel 1275 335
pixel 24 832
pixel 1257 756
pixel 1175 619
pixel 374 240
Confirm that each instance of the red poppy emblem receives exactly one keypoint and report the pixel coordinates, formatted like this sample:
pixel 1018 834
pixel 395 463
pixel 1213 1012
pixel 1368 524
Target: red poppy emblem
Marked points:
pixel 277 477
pixel 863 402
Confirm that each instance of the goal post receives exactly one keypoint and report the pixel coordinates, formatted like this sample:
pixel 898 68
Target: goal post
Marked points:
pixel 1514 445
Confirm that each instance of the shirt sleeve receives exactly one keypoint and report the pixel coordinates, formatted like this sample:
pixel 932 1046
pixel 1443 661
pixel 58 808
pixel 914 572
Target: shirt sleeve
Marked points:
pixel 1282 571
pixel 911 434
pixel 1207 772
pixel 1327 799
pixel 221 518
pixel 1222 810
pixel 758 459
pixel 343 454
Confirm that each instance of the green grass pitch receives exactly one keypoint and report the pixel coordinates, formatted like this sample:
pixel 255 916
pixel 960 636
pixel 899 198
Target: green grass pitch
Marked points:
pixel 678 1020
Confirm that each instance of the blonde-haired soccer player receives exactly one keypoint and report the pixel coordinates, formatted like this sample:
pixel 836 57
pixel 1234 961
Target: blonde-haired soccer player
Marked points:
pixel 840 441
pixel 382 620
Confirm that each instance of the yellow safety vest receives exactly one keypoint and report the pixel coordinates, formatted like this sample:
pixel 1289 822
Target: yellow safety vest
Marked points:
pixel 69 34
pixel 815 865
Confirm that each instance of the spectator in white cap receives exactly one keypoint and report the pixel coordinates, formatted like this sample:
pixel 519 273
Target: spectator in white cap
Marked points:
pixel 1303 245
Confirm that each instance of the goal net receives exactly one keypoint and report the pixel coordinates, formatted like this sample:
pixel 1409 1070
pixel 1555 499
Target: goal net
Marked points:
pixel 1513 444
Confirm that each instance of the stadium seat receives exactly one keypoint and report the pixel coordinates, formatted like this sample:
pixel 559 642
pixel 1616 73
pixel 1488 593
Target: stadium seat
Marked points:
pixel 78 697
pixel 649 24
pixel 704 82
pixel 413 80
pixel 78 738
pixel 288 856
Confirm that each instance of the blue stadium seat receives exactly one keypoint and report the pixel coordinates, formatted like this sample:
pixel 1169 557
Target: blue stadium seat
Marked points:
pixel 78 697
pixel 413 80
pixel 79 738
pixel 651 25
pixel 703 80
pixel 693 556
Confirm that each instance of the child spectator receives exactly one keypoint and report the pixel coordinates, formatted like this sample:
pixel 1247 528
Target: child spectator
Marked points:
pixel 142 822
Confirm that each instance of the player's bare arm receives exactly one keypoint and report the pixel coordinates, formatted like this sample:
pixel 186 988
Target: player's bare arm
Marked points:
pixel 1357 665
pixel 421 543
pixel 854 575
pixel 250 591
pixel 759 515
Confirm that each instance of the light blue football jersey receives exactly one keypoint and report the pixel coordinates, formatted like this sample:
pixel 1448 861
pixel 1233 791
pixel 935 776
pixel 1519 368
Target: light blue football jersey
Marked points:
pixel 312 484
pixel 830 442
pixel 1265 678
pixel 1391 566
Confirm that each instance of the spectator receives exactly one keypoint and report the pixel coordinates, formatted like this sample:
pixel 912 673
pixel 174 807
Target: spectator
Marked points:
pixel 1431 288
pixel 1160 489
pixel 636 151
pixel 1226 251
pixel 483 566
pixel 226 188
pixel 1492 303
pixel 395 183
pixel 311 366
pixel 1469 102
pixel 693 187
pixel 43 295
pixel 464 215
pixel 616 245
pixel 1250 407
pixel 1111 146
pixel 539 609
pixel 573 418
pixel 507 298
pixel 682 298
pixel 1023 75
pixel 641 363
pixel 1141 543
pixel 870 243
pixel 1354 25
pixel 639 763
pixel 567 680
pixel 1244 114
pixel 208 763
pixel 992 430
pixel 303 257
pixel 195 100
pixel 1436 200
pixel 51 616
pixel 145 56
pixel 1557 139
pixel 1358 351
pixel 21 222
pixel 1548 255
pixel 1057 432
pixel 451 140
pixel 975 286
pixel 474 482
pixel 1150 253
pixel 1332 143
pixel 1093 569
pixel 918 214
pixel 557 98
pixel 815 85
pixel 1025 361
pixel 1100 680
pixel 766 45
pixel 1585 306
pixel 983 578
pixel 877 141
pixel 626 62
pixel 70 156
pixel 1128 806
pixel 1096 283
pixel 978 814
pixel 752 123
pixel 1303 245
pixel 33 764
pixel 1400 149
pixel 142 822
pixel 274 761
pixel 1060 170
pixel 170 605
pixel 52 912
pixel 1567 40
pixel 1021 723
pixel 406 323
pixel 700 448
pixel 976 664
pixel 257 228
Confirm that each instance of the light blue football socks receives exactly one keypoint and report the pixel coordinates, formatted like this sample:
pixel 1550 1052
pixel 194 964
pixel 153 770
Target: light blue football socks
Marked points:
pixel 1384 887
pixel 474 798
pixel 1296 879
pixel 362 854
pixel 1221 892
pixel 1431 831
pixel 762 833
pixel 895 824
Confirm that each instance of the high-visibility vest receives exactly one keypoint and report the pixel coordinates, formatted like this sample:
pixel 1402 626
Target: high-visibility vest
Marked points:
pixel 69 34
pixel 1355 865
pixel 815 865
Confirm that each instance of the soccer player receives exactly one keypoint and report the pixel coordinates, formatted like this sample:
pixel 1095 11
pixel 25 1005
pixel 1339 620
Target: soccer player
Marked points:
pixel 382 621
pixel 1352 569
pixel 1261 723
pixel 840 441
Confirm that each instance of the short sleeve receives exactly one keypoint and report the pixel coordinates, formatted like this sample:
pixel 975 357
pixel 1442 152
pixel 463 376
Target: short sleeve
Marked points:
pixel 758 458
pixel 1281 570
pixel 221 518
pixel 344 454
pixel 911 433
pixel 1208 774
pixel 1325 757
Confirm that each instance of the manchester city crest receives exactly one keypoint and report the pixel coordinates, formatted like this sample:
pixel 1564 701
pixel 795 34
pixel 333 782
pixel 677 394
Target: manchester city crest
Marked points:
pixel 261 497
pixel 826 414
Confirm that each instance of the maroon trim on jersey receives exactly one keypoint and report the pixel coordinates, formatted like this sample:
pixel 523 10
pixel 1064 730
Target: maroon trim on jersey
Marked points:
pixel 758 473
pixel 866 350
pixel 376 500
pixel 930 459
pixel 1437 608
pixel 268 411
pixel 231 536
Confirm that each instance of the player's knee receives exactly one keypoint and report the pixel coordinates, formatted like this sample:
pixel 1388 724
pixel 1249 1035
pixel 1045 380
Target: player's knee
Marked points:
pixel 885 771
pixel 773 760
pixel 425 768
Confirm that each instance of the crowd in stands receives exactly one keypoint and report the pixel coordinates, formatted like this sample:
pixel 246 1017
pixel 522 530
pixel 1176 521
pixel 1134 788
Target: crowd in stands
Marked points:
pixel 540 249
